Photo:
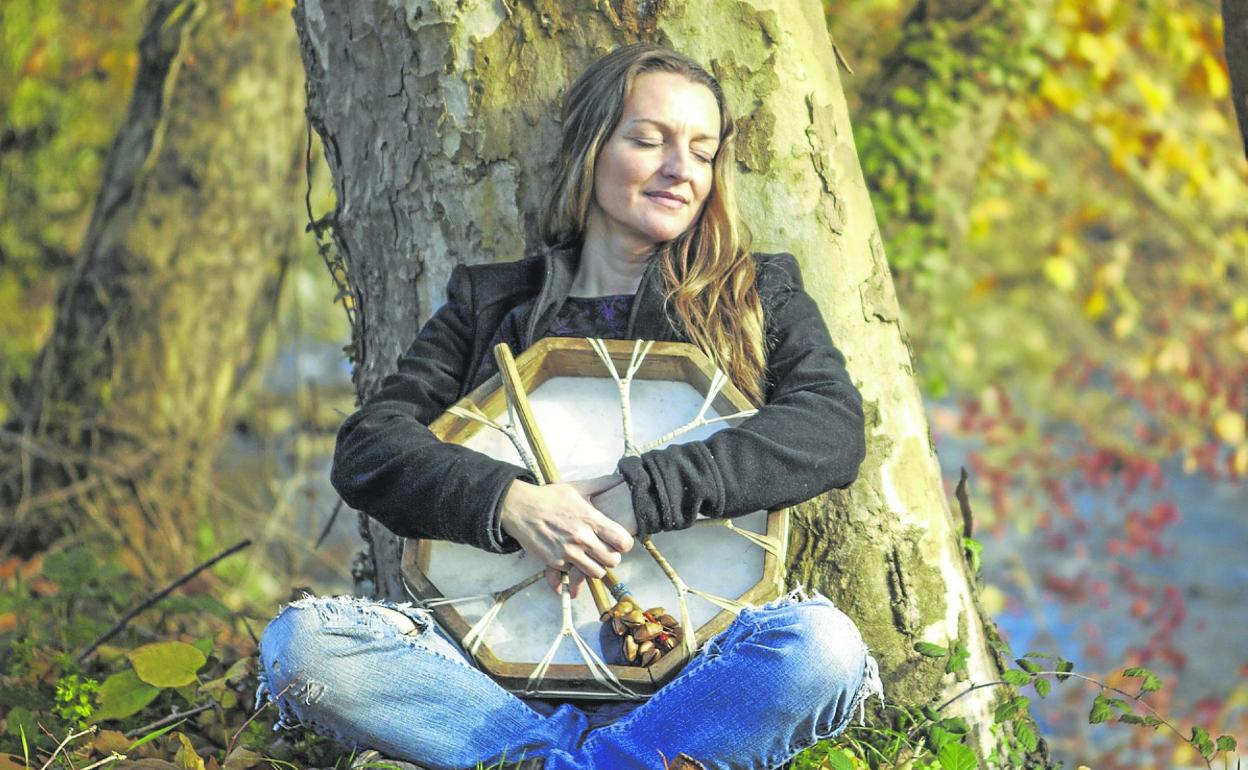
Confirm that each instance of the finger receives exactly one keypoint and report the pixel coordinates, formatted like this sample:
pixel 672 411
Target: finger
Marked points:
pixel 613 534
pixel 576 579
pixel 596 485
pixel 554 578
pixel 589 566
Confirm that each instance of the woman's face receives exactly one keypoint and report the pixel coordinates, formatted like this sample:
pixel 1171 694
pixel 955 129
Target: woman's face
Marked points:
pixel 654 172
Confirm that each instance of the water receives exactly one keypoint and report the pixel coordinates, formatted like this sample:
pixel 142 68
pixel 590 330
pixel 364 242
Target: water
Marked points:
pixel 1176 605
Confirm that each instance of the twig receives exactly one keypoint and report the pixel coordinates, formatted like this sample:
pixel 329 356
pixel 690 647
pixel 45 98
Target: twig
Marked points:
pixel 229 748
pixel 115 756
pixel 159 723
pixel 60 746
pixel 250 632
pixel 110 633
pixel 328 525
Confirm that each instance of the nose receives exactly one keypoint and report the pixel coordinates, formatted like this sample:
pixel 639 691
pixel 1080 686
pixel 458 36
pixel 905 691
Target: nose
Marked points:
pixel 677 163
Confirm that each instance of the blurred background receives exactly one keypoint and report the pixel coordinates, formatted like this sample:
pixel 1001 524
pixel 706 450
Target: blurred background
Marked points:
pixel 1061 187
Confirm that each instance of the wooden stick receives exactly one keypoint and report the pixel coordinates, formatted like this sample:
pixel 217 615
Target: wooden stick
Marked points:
pixel 514 388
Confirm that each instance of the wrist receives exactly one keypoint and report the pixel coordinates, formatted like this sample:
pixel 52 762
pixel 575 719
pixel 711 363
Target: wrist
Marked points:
pixel 511 502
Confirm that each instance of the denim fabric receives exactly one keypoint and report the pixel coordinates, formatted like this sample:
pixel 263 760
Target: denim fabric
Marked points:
pixel 383 676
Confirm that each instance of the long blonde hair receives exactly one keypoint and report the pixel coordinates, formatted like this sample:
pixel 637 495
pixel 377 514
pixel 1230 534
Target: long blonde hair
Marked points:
pixel 709 275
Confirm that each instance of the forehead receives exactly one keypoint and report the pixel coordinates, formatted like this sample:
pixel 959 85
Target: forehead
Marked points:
pixel 674 101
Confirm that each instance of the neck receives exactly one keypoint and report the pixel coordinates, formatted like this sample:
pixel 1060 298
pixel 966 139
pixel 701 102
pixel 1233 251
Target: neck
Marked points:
pixel 609 267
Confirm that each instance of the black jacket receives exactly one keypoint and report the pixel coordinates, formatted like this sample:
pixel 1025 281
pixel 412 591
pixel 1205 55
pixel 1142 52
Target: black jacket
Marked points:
pixel 807 438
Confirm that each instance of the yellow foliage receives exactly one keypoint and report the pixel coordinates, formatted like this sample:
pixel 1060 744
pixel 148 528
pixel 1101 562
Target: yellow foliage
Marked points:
pixel 1061 272
pixel 984 213
pixel 1026 166
pixel 1157 95
pixel 1229 427
pixel 1239 310
pixel 1124 325
pixel 1239 462
pixel 1100 51
pixel 1059 93
pixel 1096 305
pixel 1209 76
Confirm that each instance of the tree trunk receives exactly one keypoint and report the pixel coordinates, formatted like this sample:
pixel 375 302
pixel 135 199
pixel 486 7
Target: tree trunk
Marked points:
pixel 1235 46
pixel 159 326
pixel 440 126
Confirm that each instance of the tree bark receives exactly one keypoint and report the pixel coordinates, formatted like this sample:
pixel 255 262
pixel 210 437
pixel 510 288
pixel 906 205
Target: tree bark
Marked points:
pixel 159 326
pixel 1235 45
pixel 440 126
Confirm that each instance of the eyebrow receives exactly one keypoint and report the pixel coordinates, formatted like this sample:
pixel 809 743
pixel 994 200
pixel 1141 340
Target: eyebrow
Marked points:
pixel 663 125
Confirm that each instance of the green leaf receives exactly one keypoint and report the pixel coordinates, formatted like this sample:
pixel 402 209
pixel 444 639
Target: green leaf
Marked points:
pixel 1065 666
pixel 153 735
pixel 838 760
pixel 203 645
pixel 1226 743
pixel 1011 708
pixel 1030 666
pixel 937 737
pixel 122 695
pixel 1101 711
pixel 1201 742
pixel 929 650
pixel 167 664
pixel 1026 736
pixel 1043 687
pixel 958 659
pixel 956 725
pixel 71 569
pixel 1150 684
pixel 1016 677
pixel 955 756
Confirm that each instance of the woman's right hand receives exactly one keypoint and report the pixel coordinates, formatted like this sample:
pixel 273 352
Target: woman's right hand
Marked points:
pixel 558 526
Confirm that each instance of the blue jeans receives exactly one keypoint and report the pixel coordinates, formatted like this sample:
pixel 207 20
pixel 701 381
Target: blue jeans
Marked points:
pixel 380 675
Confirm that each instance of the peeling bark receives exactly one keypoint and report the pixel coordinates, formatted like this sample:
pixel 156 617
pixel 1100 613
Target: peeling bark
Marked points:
pixel 462 98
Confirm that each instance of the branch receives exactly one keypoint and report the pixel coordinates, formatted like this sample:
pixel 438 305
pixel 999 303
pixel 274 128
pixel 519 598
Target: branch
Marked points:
pixel 174 717
pixel 110 633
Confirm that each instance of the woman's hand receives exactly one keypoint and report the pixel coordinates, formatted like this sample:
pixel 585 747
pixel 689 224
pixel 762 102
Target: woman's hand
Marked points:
pixel 557 525
pixel 612 497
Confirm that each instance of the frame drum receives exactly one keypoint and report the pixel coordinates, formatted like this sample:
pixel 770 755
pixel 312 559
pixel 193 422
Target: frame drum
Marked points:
pixel 595 401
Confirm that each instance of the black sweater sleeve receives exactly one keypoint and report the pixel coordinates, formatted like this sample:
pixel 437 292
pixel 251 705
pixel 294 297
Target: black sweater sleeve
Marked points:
pixel 808 438
pixel 388 464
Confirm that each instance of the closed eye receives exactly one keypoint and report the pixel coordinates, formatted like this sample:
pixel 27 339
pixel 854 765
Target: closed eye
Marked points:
pixel 648 143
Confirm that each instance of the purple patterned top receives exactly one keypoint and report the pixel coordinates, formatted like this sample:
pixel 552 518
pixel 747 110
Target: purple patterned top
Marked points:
pixel 605 317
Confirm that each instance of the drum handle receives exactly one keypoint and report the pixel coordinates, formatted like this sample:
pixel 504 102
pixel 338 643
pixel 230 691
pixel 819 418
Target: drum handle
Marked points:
pixel 513 386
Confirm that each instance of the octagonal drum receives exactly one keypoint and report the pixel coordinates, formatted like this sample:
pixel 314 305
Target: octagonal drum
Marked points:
pixel 498 607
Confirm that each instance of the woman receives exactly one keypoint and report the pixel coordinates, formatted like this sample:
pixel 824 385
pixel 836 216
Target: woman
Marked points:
pixel 642 244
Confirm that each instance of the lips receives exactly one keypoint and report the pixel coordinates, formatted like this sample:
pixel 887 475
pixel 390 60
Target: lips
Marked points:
pixel 670 200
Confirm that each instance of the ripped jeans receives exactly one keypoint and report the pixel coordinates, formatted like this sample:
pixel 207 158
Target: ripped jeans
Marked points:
pixel 380 675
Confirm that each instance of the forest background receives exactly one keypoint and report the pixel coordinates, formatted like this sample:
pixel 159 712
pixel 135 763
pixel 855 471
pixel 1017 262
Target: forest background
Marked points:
pixel 1060 188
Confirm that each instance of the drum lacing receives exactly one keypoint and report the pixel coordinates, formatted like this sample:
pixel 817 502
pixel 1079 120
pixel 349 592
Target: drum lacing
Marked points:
pixel 625 383
pixel 472 640
pixel 471 411
pixel 597 668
